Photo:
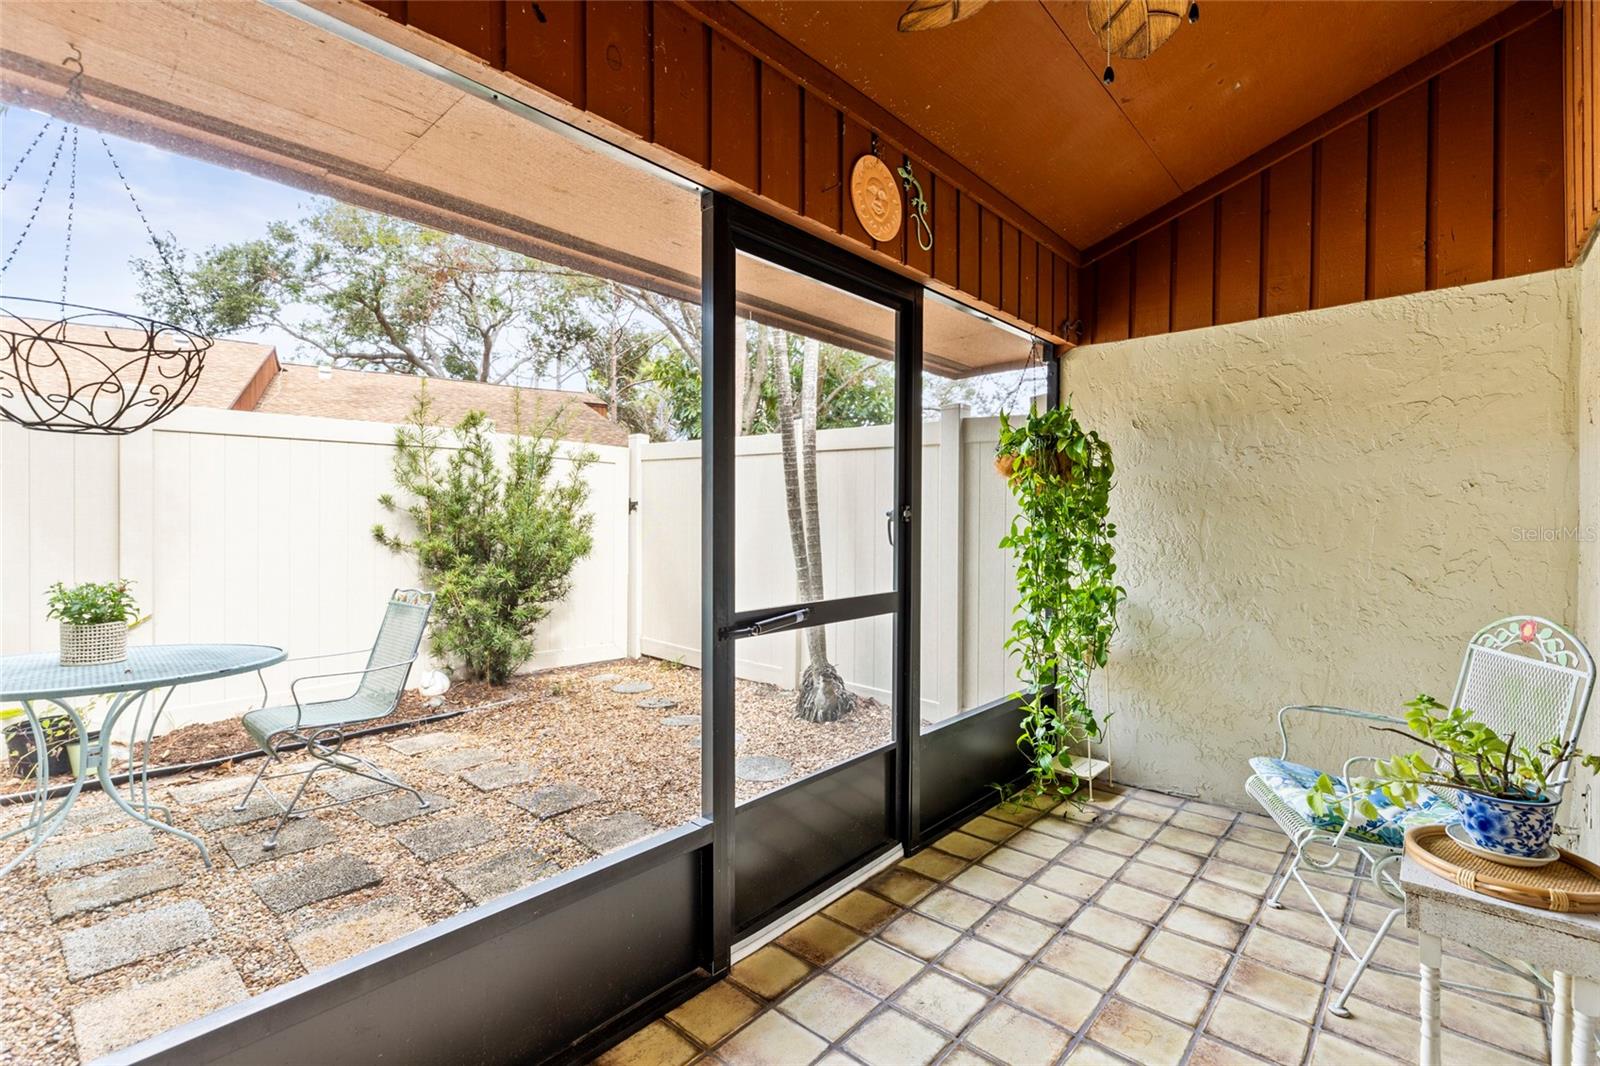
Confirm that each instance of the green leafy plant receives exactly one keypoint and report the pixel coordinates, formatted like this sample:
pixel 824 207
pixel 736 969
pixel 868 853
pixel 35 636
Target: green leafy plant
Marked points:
pixel 1467 756
pixel 92 603
pixel 1067 595
pixel 496 542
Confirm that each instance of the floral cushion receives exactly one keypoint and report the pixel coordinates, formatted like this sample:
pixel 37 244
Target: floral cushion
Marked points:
pixel 1291 782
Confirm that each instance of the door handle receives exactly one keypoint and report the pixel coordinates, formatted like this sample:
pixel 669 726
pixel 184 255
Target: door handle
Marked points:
pixel 770 624
pixel 888 525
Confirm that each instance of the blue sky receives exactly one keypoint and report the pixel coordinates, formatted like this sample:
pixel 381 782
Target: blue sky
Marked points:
pixel 203 204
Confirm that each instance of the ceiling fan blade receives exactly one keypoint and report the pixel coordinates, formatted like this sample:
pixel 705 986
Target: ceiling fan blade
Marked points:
pixel 936 14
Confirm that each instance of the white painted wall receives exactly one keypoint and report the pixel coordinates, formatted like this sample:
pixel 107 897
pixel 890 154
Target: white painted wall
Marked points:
pixel 1323 507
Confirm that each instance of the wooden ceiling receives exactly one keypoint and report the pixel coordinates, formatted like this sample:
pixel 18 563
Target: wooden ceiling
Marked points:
pixel 1015 91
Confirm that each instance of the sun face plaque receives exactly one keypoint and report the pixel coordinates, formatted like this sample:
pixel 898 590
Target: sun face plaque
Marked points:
pixel 876 197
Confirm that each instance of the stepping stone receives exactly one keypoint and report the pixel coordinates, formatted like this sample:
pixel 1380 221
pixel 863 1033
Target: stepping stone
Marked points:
pixel 738 740
pixel 300 834
pixel 551 800
pixel 762 768
pixel 226 817
pixel 456 761
pixel 73 855
pixel 342 786
pixel 206 791
pixel 314 882
pixel 658 703
pixel 399 806
pixel 611 832
pixel 442 837
pixel 632 688
pixel 107 890
pixel 506 872
pixel 605 678
pixel 424 742
pixel 119 941
pixel 124 1018
pixel 500 775
pixel 353 930
pixel 681 719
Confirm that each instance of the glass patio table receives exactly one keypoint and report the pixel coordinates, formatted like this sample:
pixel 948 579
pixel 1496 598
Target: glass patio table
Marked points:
pixel 41 679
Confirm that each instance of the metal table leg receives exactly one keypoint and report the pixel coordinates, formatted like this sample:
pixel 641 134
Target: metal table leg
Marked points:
pixel 103 769
pixel 40 823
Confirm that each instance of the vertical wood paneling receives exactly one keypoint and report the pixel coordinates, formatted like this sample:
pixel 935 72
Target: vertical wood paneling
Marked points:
pixel 781 140
pixel 735 120
pixel 1194 267
pixel 1061 293
pixel 1238 263
pixel 1286 268
pixel 1529 231
pixel 969 273
pixel 1461 174
pixel 544 45
pixel 1010 268
pixel 1582 138
pixel 1339 233
pixel 1113 297
pixel 946 231
pixel 1398 196
pixel 617 58
pixel 478 26
pixel 823 186
pixel 894 247
pixel 1028 280
pixel 989 256
pixel 857 143
pixel 1152 283
pixel 678 88
pixel 916 258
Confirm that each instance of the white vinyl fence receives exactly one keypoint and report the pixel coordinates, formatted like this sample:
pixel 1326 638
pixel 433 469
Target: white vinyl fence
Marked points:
pixel 249 527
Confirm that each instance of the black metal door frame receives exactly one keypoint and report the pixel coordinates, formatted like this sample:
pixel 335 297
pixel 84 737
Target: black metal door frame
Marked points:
pixel 730 228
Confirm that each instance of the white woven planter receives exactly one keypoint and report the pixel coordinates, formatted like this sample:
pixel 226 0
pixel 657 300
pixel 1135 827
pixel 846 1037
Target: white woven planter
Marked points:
pixel 90 645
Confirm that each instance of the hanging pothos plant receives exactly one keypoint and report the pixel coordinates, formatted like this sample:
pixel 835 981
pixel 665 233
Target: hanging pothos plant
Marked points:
pixel 1067 594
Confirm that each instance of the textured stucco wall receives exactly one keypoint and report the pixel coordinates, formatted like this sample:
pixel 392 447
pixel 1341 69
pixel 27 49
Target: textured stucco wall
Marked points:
pixel 1584 796
pixel 1322 507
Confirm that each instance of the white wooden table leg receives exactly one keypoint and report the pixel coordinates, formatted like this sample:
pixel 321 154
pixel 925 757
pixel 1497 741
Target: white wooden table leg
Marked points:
pixel 1585 1009
pixel 1561 1021
pixel 1429 951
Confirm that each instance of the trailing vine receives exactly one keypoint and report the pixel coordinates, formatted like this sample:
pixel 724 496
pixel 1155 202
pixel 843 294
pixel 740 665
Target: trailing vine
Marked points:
pixel 1067 595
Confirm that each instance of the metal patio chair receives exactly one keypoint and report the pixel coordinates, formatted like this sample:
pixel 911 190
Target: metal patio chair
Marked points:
pixel 321 724
pixel 1520 673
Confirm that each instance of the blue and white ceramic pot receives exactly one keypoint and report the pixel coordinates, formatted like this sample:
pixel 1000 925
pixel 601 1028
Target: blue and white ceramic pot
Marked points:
pixel 1520 827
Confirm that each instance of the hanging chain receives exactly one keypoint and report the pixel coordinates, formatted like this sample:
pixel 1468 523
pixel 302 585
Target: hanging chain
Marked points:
pixel 26 152
pixel 155 242
pixel 38 202
pixel 72 202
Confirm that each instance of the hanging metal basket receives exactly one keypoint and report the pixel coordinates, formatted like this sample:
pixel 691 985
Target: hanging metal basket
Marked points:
pixel 73 369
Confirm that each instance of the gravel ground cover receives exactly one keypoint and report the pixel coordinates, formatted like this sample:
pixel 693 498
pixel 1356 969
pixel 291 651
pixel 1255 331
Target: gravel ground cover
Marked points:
pixel 566 724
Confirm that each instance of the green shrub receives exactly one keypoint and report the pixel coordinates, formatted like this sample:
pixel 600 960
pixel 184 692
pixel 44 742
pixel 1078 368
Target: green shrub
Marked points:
pixel 496 542
pixel 92 603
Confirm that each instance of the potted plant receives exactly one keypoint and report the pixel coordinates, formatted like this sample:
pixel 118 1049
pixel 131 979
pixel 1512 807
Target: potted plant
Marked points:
pixel 95 618
pixel 59 735
pixel 1067 595
pixel 1501 789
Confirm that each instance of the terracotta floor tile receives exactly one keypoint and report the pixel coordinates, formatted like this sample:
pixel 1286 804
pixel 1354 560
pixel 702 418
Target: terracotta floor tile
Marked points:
pixel 1201 823
pixel 1059 828
pixel 1202 925
pixel 1014 1037
pixel 968 847
pixel 1044 904
pixel 1279 991
pixel 1168 883
pixel 1071 882
pixel 1165 993
pixel 901 886
pixel 1186 840
pixel 954 908
pixel 1116 843
pixel 1245 855
pixel 1269 839
pixel 1490 1023
pixel 1213 897
pixel 1015 813
pixel 1255 1029
pixel 1093 963
pixel 1208 1052
pixel 1013 863
pixel 1015 932
pixel 985 884
pixel 1066 1002
pixel 657 1044
pixel 1287 953
pixel 714 1013
pixel 770 971
pixel 1188 957
pixel 1331 1050
pixel 828 1006
pixel 989 828
pixel 1110 928
pixel 1139 1035
pixel 1144 809
pixel 862 911
pixel 895 1039
pixel 1094 1055
pixel 1296 924
pixel 878 969
pixel 772 1040
pixel 935 864
pixel 1241 878
pixel 1134 902
pixel 1170 859
pixel 981 963
pixel 819 940
pixel 965 1056
pixel 832 1058
pixel 1034 842
pixel 1093 861
pixel 940 999
pixel 919 936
